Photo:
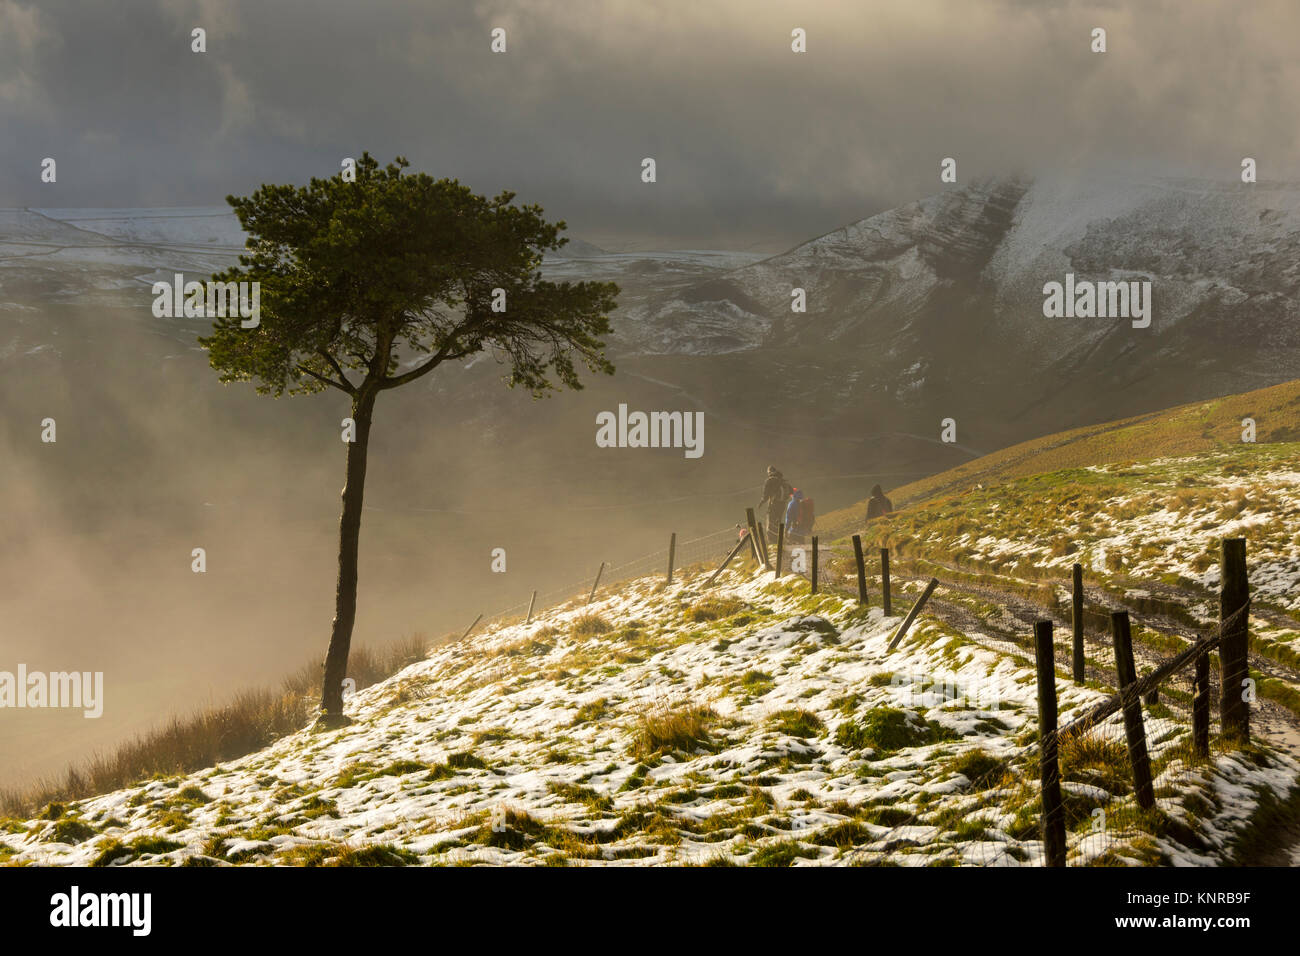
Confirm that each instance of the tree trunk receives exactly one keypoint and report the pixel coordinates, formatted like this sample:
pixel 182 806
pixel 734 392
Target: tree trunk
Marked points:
pixel 345 601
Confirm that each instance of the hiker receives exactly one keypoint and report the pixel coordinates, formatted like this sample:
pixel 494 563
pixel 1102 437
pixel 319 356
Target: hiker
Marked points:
pixel 807 516
pixel 776 492
pixel 800 514
pixel 793 529
pixel 878 505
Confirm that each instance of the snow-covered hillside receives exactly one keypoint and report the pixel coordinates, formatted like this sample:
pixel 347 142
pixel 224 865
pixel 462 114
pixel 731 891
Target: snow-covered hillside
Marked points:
pixel 112 256
pixel 1199 242
pixel 936 306
pixel 747 724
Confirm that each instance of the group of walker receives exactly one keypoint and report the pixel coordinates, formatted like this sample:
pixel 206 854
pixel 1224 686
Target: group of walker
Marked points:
pixel 786 503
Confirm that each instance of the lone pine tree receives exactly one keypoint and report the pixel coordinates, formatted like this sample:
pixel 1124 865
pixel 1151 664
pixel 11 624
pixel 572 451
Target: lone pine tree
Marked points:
pixel 362 278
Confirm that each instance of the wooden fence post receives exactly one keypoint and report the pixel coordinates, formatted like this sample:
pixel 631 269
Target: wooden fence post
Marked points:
pixel 672 553
pixel 780 543
pixel 886 597
pixel 814 564
pixel 1201 708
pixel 1076 621
pixel 759 558
pixel 1234 712
pixel 734 551
pixel 471 627
pixel 532 601
pixel 596 583
pixel 862 569
pixel 1049 770
pixel 757 539
pixel 762 542
pixel 1133 730
pixel 911 615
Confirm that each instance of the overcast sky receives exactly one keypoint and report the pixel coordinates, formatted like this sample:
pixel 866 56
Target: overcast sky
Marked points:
pixel 756 146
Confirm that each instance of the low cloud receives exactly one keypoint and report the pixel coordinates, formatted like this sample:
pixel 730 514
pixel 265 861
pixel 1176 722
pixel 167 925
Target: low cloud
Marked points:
pixel 755 145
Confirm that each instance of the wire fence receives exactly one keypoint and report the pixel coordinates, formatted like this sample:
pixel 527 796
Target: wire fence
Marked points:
pixel 709 547
pixel 1104 820
pixel 998 819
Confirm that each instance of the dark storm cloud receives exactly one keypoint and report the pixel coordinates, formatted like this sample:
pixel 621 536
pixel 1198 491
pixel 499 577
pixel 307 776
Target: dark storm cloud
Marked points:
pixel 755 145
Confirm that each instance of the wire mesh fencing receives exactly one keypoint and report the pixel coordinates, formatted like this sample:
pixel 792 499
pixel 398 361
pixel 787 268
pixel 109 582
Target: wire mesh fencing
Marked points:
pixel 712 547
pixel 1108 815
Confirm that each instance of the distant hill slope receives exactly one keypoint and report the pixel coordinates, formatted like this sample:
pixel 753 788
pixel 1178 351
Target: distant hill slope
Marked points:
pixel 1142 505
pixel 1190 429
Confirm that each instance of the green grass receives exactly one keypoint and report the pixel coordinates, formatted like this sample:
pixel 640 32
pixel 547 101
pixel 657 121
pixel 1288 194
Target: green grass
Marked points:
pixel 70 830
pixel 886 729
pixel 115 852
pixel 981 769
pixel 587 797
pixel 588 712
pixel 797 723
pixel 713 609
pixel 782 853
pixel 1182 431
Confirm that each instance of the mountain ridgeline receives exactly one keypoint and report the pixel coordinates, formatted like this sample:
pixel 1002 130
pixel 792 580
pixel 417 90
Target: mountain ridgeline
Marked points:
pixel 935 309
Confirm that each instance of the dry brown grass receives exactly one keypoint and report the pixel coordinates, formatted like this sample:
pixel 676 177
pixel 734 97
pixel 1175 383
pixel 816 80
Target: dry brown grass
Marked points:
pixel 1096 759
pixel 250 721
pixel 714 608
pixel 589 625
pixel 683 727
pixel 1184 500
pixel 1233 507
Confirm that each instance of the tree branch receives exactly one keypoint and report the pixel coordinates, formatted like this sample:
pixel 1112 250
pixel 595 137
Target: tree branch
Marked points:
pixel 335 365
pixel 328 381
pixel 442 355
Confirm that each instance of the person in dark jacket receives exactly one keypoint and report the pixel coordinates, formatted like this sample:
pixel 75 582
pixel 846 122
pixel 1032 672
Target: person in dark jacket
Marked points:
pixel 776 492
pixel 879 504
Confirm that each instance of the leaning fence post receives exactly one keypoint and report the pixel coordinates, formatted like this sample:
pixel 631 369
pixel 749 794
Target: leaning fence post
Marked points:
pixel 1234 712
pixel 1076 621
pixel 672 553
pixel 886 598
pixel 752 522
pixel 471 627
pixel 1201 708
pixel 814 564
pixel 780 543
pixel 1049 770
pixel 762 541
pixel 1133 730
pixel 862 569
pixel 596 583
pixel 531 602
pixel 734 551
pixel 911 615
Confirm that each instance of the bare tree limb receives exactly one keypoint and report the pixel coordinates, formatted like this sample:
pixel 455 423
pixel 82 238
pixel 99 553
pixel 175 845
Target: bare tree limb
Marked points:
pixel 328 381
